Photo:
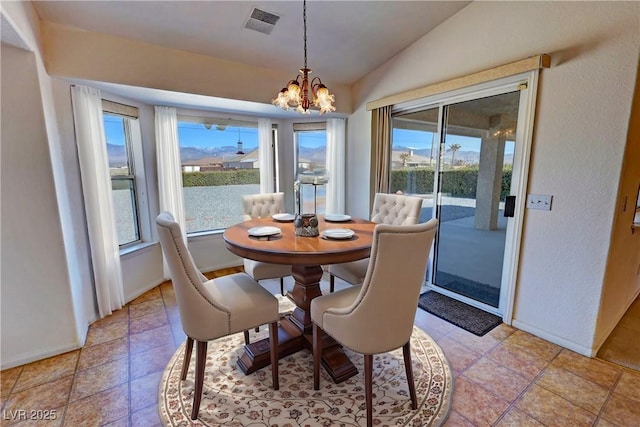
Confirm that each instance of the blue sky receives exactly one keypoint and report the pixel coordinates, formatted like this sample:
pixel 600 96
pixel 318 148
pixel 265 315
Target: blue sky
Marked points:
pixel 196 135
pixel 422 140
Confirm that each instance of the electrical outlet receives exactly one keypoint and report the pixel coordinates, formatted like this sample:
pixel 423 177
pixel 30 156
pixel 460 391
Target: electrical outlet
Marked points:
pixel 539 201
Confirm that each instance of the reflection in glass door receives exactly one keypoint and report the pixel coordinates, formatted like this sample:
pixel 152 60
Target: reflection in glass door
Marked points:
pixel 473 182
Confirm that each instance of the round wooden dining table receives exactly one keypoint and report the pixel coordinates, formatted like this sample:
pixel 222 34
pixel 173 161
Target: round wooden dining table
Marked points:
pixel 306 255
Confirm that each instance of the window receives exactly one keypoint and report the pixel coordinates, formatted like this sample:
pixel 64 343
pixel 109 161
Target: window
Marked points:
pixel 311 161
pixel 220 163
pixel 118 132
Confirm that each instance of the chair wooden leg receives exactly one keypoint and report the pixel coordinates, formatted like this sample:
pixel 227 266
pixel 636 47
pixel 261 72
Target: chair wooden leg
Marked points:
pixel 332 282
pixel 187 358
pixel 201 359
pixel 406 352
pixel 282 286
pixel 273 348
pixel 246 337
pixel 317 354
pixel 368 387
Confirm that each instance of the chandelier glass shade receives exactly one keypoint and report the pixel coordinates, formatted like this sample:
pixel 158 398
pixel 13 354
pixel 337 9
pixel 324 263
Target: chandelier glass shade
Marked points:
pixel 296 93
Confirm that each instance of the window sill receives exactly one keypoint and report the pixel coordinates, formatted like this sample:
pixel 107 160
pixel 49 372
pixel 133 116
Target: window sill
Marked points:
pixel 136 248
pixel 204 235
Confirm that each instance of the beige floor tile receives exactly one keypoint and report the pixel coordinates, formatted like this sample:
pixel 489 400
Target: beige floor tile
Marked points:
pixel 574 388
pixel 113 330
pixel 150 361
pixel 151 338
pixel 594 370
pixel 103 353
pixel 552 410
pixel 533 345
pixel 42 418
pixel 516 418
pixel 99 378
pixel 604 423
pixel 47 370
pixel 622 411
pixel 144 391
pixel 145 308
pixel 148 296
pixel 8 379
pixel 478 344
pixel 100 408
pixel 118 316
pixel 459 356
pixel 502 331
pixel 147 417
pixel 496 378
pixel 48 396
pixel 629 386
pixel 456 420
pixel 152 320
pixel 122 422
pixel 517 360
pixel 475 403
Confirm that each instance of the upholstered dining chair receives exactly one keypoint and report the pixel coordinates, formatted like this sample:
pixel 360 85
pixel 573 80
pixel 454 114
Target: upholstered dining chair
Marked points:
pixel 396 209
pixel 211 309
pixel 377 316
pixel 263 206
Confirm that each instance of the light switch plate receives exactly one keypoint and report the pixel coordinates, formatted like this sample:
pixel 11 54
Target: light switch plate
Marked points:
pixel 539 201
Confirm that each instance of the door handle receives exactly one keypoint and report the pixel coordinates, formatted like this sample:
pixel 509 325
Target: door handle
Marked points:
pixel 509 206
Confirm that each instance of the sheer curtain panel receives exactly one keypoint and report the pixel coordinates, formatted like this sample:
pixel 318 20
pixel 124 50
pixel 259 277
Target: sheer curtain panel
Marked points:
pixel 265 154
pixel 335 166
pixel 169 168
pixel 98 201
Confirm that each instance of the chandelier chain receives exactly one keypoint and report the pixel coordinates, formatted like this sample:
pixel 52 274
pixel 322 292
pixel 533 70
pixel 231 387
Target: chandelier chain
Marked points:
pixel 304 22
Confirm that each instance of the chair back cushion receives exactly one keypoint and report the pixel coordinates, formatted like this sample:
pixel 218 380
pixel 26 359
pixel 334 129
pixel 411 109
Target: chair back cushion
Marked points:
pixel 199 312
pixel 396 209
pixel 262 205
pixel 382 315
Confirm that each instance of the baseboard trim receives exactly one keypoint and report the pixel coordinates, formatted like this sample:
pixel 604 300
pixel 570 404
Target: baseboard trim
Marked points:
pixel 23 359
pixel 562 342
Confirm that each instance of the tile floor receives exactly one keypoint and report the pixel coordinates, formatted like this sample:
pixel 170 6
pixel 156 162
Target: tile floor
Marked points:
pixel 506 378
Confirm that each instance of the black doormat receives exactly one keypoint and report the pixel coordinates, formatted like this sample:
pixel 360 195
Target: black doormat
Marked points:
pixel 463 315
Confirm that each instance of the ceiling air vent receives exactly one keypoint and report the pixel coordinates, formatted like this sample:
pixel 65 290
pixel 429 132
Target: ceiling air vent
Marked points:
pixel 261 21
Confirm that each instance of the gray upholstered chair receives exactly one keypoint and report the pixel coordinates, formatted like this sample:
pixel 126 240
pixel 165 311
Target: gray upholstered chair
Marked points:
pixel 395 209
pixel 210 309
pixel 263 206
pixel 377 316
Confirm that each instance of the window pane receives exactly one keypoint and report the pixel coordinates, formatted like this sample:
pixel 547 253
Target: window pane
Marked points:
pixel 116 145
pixel 311 169
pixel 220 164
pixel 123 181
pixel 124 204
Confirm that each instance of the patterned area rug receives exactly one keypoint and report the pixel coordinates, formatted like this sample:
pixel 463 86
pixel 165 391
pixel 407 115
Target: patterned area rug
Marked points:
pixel 231 398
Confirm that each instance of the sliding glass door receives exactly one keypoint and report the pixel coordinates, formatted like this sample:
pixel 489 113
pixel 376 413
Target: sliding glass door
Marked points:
pixel 462 156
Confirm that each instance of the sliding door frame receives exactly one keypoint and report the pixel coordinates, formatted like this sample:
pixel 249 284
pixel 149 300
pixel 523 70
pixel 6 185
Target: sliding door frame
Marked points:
pixel 527 83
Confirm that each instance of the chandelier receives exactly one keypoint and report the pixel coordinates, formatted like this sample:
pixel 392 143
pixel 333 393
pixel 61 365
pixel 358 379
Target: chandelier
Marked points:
pixel 296 93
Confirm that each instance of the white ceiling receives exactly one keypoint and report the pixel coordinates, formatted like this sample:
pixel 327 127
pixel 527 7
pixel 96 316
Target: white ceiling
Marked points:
pixel 345 39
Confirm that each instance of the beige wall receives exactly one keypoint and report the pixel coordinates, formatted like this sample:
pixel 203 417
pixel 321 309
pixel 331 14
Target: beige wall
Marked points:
pixel 622 277
pixel 580 134
pixel 38 316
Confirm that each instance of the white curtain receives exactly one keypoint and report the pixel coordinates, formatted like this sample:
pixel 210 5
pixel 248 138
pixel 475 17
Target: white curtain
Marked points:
pixel 335 166
pixel 98 201
pixel 169 169
pixel 265 153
